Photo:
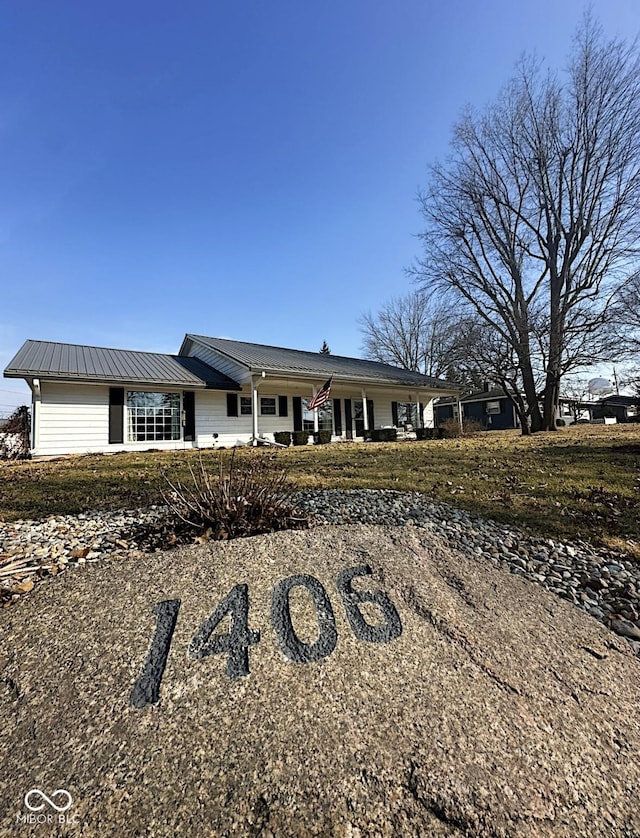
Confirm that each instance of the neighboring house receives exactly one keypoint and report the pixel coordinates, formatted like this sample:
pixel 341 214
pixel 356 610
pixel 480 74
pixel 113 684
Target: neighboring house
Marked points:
pixel 489 406
pixel 214 392
pixel 612 407
pixel 620 407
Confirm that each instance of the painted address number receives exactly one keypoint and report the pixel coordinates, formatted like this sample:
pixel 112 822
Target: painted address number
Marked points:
pixel 235 644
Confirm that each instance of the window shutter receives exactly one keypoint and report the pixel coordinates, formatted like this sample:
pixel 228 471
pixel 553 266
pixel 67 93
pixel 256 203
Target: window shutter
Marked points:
pixel 371 420
pixel 337 417
pixel 282 406
pixel 189 407
pixel 297 413
pixel 232 404
pixel 348 418
pixel 421 414
pixel 394 413
pixel 116 415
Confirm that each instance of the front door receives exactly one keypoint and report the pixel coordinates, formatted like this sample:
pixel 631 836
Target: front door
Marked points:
pixel 358 415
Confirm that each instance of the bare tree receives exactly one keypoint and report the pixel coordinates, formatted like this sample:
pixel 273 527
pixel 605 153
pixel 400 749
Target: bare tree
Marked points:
pixel 631 379
pixel 628 314
pixel 535 221
pixel 415 332
pixel 15 435
pixel 575 389
pixel 483 352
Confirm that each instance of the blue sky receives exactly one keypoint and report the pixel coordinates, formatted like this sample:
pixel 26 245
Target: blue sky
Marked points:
pixel 238 169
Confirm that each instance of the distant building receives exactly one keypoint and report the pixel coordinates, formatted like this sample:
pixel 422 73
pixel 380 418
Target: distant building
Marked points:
pixel 491 407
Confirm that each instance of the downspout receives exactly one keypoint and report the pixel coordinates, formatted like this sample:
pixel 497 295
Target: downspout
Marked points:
pixel 36 401
pixel 459 406
pixel 365 411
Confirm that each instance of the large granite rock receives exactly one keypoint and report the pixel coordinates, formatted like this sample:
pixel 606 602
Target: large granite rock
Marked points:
pixel 476 705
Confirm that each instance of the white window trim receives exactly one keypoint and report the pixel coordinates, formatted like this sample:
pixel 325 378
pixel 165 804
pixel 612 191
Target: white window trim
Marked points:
pixel 128 423
pixel 274 399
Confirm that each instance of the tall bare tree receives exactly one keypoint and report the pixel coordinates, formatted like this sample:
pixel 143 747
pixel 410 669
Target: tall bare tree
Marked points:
pixel 535 221
pixel 414 332
pixel 628 314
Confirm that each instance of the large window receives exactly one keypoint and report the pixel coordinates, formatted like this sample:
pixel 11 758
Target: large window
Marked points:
pixel 152 417
pixel 407 414
pixel 325 417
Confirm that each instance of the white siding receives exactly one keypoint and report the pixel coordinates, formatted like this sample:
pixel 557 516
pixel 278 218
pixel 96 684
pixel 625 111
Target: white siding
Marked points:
pixel 211 418
pixel 74 419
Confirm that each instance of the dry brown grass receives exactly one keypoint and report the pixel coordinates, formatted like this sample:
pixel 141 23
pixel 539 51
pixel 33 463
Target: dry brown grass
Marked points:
pixel 579 482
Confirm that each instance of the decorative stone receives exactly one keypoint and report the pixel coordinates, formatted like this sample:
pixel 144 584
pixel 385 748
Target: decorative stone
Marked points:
pixel 194 693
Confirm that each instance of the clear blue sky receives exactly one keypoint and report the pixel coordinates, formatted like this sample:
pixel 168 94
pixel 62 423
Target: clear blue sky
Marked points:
pixel 240 169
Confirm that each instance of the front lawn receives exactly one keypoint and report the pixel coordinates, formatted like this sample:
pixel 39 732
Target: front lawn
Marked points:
pixel 581 482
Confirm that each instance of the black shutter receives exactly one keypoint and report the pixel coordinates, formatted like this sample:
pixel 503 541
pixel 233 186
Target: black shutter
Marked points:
pixel 116 415
pixel 421 414
pixel 297 413
pixel 232 404
pixel 371 421
pixel 348 418
pixel 394 413
pixel 337 417
pixel 189 407
pixel 282 406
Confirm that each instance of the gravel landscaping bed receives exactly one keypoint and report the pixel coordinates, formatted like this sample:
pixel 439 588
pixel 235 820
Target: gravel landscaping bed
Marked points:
pixel 603 583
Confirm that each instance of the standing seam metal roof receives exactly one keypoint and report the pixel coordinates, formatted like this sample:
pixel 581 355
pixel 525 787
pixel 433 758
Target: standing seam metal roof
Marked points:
pixel 277 359
pixel 95 363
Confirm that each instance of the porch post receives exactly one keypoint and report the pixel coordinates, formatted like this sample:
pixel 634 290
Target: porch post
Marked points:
pixel 459 405
pixel 316 423
pixel 255 383
pixel 364 410
pixel 418 411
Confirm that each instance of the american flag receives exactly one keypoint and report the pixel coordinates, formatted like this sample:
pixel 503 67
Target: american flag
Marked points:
pixel 322 396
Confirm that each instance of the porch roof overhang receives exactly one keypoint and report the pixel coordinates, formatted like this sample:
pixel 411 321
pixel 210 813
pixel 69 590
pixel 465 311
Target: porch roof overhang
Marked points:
pixel 355 380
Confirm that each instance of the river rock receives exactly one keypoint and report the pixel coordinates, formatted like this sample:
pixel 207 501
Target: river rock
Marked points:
pixel 466 701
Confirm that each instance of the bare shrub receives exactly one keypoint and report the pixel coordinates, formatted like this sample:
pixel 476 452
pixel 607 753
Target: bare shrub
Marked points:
pixel 239 499
pixel 471 427
pixel 15 441
pixel 451 428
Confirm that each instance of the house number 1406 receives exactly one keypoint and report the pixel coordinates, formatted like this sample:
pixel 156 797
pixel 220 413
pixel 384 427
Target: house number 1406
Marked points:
pixel 235 644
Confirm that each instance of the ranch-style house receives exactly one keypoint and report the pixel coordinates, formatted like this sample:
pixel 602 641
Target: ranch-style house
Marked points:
pixel 215 392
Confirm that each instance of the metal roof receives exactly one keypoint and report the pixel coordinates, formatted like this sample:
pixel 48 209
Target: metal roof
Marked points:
pixel 257 357
pixel 44 359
